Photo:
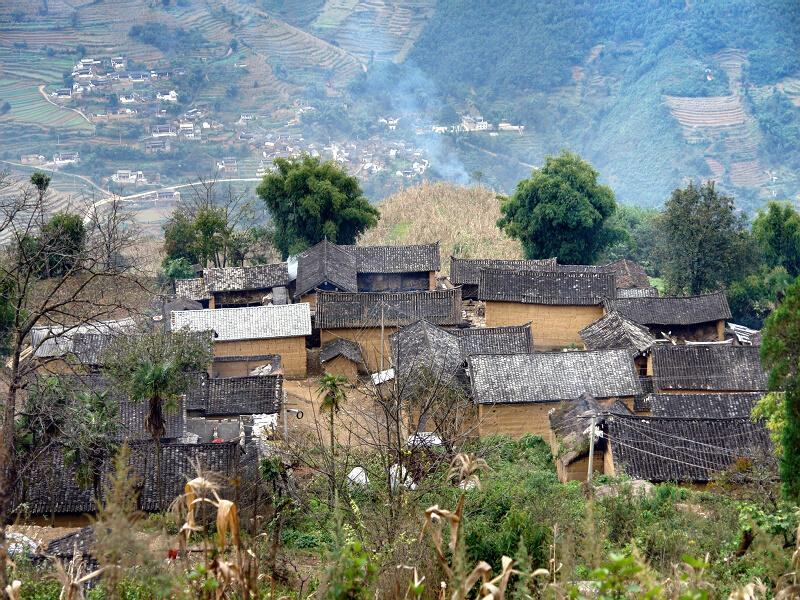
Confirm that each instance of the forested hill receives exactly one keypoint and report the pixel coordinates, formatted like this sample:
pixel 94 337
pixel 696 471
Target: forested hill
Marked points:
pixel 650 92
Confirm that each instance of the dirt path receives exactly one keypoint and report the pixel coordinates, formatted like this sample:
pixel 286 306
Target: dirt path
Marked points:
pixel 75 110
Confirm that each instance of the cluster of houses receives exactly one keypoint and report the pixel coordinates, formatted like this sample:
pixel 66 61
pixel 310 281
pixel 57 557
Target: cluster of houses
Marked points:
pixel 591 358
pixel 477 124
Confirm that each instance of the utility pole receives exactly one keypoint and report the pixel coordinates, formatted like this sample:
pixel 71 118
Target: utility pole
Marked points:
pixel 382 342
pixel 591 447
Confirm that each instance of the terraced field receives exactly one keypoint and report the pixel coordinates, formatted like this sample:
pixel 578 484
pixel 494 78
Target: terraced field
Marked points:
pixel 28 108
pixel 708 113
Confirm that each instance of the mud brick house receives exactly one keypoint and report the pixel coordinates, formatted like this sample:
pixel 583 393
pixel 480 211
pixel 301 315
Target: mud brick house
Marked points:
pixel 50 489
pixel 717 405
pixel 234 396
pixel 611 331
pixel 62 349
pixel 683 450
pixel 513 339
pixel 248 337
pixel 342 357
pixel 515 392
pixel 324 267
pixel 465 272
pixel 193 289
pixel 707 367
pixel 235 287
pixel 557 302
pixel 631 279
pixel 693 318
pixel 370 318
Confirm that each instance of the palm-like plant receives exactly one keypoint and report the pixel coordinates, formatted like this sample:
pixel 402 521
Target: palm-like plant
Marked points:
pixel 331 388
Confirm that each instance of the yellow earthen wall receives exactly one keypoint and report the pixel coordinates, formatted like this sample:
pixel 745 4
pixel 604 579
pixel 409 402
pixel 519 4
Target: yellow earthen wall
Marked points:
pixel 291 350
pixel 343 367
pixel 552 326
pixel 369 338
pixel 579 469
pixel 515 420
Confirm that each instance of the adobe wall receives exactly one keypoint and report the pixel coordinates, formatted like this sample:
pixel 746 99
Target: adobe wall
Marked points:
pixel 578 470
pixel 552 326
pixel 369 338
pixel 291 350
pixel 343 367
pixel 516 420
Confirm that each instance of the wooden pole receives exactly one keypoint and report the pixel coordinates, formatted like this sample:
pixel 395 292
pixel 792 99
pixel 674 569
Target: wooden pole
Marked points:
pixel 591 448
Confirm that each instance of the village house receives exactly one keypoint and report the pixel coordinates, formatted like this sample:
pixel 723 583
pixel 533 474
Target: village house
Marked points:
pixel 62 159
pixel 159 131
pixel 119 63
pixel 32 159
pixel 465 272
pixel 558 301
pixel 631 279
pixel 714 405
pixel 680 318
pixel 343 358
pixel 369 318
pixel 612 331
pixel 250 337
pixel 324 267
pixel 515 392
pixel 130 177
pixel 707 367
pixel 153 146
pixel 171 96
pixel 233 287
pixel 193 289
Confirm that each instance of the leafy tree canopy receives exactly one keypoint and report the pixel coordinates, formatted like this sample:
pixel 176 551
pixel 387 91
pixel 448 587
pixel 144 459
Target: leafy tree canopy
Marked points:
pixel 777 231
pixel 780 352
pixel 310 201
pixel 63 238
pixel 703 242
pixel 561 211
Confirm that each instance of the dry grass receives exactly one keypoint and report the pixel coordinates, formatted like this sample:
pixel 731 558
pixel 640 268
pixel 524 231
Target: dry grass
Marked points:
pixel 461 219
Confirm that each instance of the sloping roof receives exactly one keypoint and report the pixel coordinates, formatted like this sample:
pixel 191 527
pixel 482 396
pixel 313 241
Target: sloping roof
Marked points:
pixel 552 376
pixel 683 450
pixel 647 292
pixel 629 274
pixel 88 348
pixel 395 259
pixel 59 340
pixel 515 339
pixel 193 289
pixel 257 394
pixel 236 279
pixel 341 347
pixel 424 346
pixel 336 310
pixel 613 331
pixel 708 367
pixel 674 310
pixel 704 406
pixel 325 263
pixel 247 323
pixel 466 271
pixel 556 286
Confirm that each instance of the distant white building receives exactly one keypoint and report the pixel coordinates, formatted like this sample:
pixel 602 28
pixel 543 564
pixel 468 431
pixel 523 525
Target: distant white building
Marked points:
pixel 119 63
pixel 129 176
pixel 171 97
pixel 163 131
pixel 506 126
pixel 61 159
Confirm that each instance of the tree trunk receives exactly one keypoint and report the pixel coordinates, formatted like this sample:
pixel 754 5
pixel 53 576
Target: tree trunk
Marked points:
pixel 8 462
pixel 332 493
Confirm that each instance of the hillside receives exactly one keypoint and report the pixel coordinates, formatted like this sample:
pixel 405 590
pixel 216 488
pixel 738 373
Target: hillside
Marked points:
pixel 462 219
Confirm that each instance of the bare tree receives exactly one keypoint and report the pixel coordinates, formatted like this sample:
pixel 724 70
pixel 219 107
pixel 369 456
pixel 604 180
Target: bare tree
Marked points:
pixel 97 281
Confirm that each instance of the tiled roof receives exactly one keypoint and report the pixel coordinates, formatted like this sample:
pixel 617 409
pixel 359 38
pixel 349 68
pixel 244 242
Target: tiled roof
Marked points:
pixel 708 367
pixel 424 346
pixel 49 486
pixel 516 339
pixel 57 340
pixel 629 274
pixel 647 292
pixel 552 376
pixel 193 289
pixel 248 323
pixel 236 279
pixel 323 265
pixel 704 406
pixel 558 286
pixel 683 450
pixel 88 348
pixel 341 347
pixel 613 331
pixel 673 310
pixel 466 271
pixel 395 259
pixel 337 310
pixel 257 394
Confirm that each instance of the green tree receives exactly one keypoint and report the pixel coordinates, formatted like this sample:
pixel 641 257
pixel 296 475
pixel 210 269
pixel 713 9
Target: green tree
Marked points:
pixel 780 352
pixel 753 297
pixel 777 231
pixel 562 211
pixel 331 388
pixel 703 242
pixel 180 268
pixel 179 237
pixel 637 231
pixel 310 201
pixel 62 240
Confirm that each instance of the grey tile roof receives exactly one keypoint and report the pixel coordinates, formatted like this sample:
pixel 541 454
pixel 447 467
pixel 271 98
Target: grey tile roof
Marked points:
pixel 248 323
pixel 552 376
pixel 423 346
pixel 557 286
pixel 515 339
pixel 326 265
pixel 466 271
pixel 648 292
pixel 193 289
pixel 704 406
pixel 252 395
pixel 57 340
pixel 613 331
pixel 341 347
pixel 683 450
pixel 674 310
pixel 708 367
pixel 396 259
pixel 337 310
pixel 629 274
pixel 239 279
